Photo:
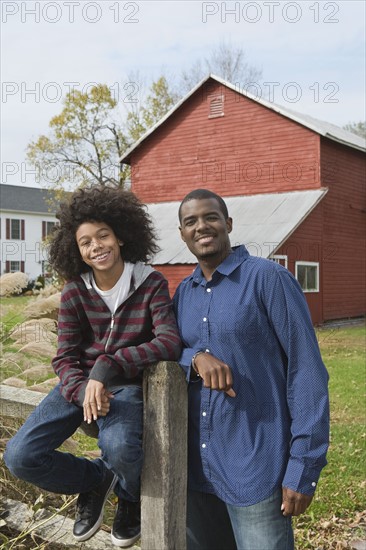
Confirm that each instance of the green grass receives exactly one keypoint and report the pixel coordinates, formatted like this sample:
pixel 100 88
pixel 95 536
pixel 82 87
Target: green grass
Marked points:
pixel 340 497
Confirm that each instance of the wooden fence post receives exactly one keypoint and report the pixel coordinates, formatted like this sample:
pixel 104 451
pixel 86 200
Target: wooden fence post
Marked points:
pixel 164 476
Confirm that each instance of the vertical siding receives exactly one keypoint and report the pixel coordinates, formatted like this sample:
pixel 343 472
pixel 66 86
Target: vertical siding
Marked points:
pixel 251 149
pixel 175 274
pixel 306 244
pixel 343 171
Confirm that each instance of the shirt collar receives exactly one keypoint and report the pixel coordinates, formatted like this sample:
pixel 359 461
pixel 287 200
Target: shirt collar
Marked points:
pixel 237 256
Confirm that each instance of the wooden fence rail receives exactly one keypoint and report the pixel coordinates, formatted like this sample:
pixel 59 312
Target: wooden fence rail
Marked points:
pixel 164 476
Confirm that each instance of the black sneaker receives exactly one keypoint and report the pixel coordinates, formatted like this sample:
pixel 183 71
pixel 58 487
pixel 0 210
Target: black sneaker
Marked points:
pixel 90 507
pixel 127 523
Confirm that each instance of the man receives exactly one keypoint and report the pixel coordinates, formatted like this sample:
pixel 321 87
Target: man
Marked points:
pixel 258 399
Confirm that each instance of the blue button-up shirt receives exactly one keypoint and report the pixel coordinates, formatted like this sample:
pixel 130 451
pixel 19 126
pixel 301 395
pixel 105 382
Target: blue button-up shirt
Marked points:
pixel 253 316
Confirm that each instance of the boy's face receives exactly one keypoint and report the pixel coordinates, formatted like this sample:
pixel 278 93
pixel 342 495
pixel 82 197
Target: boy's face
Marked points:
pixel 99 247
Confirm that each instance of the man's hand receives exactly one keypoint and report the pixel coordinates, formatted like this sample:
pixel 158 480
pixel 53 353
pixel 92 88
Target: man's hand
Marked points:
pixel 96 401
pixel 215 373
pixel 293 503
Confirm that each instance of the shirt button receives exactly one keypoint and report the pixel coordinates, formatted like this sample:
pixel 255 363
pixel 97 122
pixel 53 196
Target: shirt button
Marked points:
pixel 204 414
pixel 207 350
pixel 203 445
pixel 313 484
pixel 205 318
pixel 208 290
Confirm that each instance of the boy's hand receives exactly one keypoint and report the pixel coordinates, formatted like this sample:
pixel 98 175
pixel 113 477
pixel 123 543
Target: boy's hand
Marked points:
pixel 96 401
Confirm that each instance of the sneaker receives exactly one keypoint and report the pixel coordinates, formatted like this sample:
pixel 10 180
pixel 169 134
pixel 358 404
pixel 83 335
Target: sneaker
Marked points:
pixel 90 507
pixel 127 523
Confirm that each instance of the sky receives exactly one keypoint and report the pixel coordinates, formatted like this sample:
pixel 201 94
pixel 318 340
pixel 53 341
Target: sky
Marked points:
pixel 311 54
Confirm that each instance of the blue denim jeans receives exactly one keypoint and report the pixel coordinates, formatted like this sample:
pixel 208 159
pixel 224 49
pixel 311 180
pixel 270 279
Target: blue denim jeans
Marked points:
pixel 32 453
pixel 214 525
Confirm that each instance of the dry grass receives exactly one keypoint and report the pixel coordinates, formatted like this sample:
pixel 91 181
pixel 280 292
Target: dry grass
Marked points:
pixel 44 307
pixel 13 283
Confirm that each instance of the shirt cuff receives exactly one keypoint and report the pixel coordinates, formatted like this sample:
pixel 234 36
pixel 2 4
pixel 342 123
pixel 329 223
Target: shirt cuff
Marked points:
pixel 301 478
pixel 186 362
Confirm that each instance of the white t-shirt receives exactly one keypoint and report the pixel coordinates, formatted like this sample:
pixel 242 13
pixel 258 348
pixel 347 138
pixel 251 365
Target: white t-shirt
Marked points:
pixel 118 294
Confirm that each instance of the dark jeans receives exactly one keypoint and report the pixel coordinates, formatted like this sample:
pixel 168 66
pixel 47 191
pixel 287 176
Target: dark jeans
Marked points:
pixel 31 454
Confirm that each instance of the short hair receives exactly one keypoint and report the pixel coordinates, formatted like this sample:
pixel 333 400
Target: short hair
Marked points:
pixel 204 194
pixel 119 209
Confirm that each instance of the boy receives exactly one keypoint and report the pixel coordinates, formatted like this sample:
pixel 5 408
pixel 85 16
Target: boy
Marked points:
pixel 115 319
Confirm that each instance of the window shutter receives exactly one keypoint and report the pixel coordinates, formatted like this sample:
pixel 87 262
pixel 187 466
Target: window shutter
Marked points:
pixel 22 231
pixel 7 266
pixel 7 228
pixel 22 267
pixel 43 231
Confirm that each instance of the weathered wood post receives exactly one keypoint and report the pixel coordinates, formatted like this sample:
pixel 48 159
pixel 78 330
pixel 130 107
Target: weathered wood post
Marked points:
pixel 164 476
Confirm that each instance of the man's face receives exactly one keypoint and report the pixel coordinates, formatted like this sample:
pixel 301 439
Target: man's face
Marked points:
pixel 205 230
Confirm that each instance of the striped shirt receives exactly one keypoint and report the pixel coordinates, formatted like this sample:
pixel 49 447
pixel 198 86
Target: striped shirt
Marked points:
pixel 113 348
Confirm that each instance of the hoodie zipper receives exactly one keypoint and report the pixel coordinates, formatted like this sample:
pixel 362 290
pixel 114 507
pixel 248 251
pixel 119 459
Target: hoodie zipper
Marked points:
pixel 110 332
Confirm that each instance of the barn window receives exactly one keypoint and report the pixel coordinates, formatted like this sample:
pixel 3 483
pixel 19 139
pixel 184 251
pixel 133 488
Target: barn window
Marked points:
pixel 216 106
pixel 280 259
pixel 307 273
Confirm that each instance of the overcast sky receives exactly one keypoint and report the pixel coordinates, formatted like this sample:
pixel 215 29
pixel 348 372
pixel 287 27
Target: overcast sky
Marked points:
pixel 312 56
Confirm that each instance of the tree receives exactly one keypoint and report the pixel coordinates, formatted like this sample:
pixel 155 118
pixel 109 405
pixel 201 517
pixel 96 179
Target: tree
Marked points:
pixel 226 61
pixel 158 102
pixel 85 143
pixel 358 128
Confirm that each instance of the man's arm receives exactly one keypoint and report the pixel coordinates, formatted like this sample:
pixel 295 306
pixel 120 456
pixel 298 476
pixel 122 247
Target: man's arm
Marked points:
pixel 307 389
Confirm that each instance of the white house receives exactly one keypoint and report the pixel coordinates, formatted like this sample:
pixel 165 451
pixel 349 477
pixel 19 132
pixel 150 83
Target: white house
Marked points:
pixel 25 222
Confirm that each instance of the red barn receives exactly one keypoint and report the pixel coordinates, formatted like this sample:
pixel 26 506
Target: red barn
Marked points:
pixel 294 185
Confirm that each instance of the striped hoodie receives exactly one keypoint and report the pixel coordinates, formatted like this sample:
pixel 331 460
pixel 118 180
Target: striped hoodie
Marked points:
pixel 113 349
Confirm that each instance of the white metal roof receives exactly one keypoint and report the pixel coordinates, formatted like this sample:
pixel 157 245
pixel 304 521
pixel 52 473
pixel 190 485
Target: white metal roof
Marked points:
pixel 326 129
pixel 261 222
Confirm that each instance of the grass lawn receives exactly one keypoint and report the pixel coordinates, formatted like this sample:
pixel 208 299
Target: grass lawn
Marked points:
pixel 338 512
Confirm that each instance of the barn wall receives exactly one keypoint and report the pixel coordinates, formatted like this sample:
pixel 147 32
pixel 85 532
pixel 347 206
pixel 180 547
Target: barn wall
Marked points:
pixel 175 274
pixel 249 150
pixel 306 244
pixel 343 171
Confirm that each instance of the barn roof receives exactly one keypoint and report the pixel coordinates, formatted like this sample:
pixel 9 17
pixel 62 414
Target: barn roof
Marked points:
pixel 326 129
pixel 24 199
pixel 261 222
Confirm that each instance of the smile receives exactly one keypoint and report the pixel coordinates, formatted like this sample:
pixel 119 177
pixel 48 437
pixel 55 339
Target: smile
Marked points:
pixel 101 257
pixel 206 239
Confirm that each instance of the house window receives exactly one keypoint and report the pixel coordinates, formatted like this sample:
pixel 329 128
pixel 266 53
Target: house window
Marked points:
pixel 307 273
pixel 47 228
pixel 15 229
pixel 280 259
pixel 14 266
pixel 216 106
